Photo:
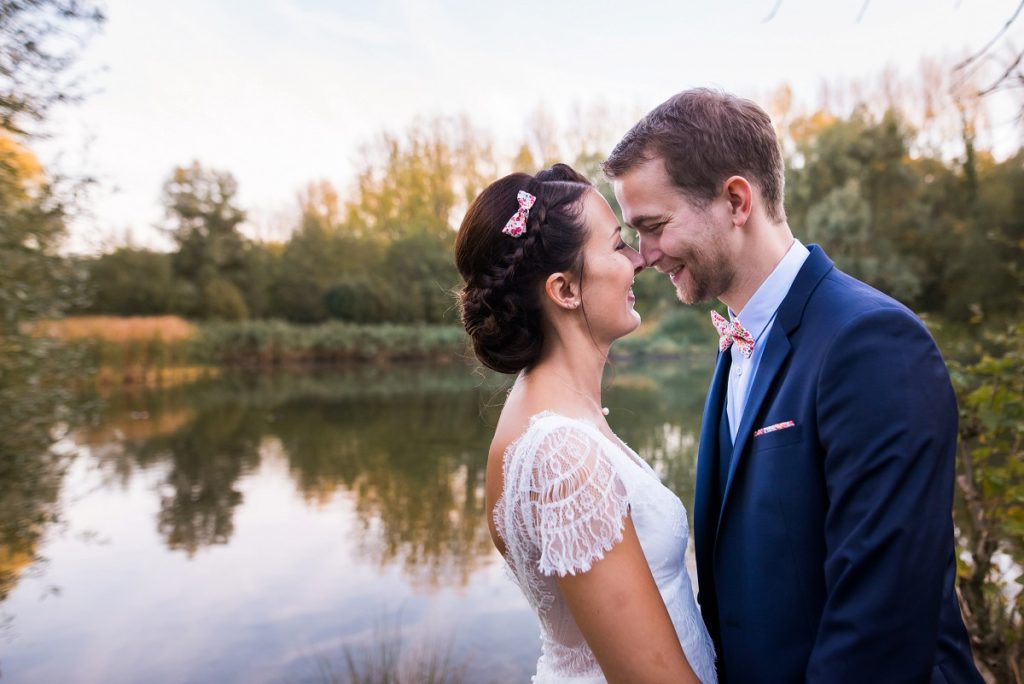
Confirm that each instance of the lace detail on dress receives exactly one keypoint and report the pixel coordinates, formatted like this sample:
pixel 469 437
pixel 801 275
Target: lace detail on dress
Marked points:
pixel 567 491
pixel 577 499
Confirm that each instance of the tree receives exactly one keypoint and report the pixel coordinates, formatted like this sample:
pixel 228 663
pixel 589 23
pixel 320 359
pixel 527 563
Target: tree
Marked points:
pixel 543 138
pixel 132 282
pixel 852 189
pixel 38 44
pixel 423 277
pixel 204 221
pixel 35 280
pixel 320 253
pixel 417 183
pixel 1010 70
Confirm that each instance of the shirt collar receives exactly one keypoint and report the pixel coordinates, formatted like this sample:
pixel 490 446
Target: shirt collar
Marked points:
pixel 762 306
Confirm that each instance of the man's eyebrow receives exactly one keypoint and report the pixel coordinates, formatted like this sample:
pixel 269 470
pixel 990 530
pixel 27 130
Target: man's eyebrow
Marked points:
pixel 639 222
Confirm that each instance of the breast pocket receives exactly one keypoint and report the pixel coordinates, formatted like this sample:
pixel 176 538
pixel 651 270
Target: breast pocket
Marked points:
pixel 778 438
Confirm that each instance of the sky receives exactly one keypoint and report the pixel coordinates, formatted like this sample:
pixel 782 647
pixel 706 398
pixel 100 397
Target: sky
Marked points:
pixel 284 92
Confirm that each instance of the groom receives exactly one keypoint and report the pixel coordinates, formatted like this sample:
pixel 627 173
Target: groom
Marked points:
pixel 823 513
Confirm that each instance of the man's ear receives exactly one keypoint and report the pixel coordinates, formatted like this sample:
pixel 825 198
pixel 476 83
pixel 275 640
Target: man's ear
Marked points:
pixel 740 194
pixel 562 290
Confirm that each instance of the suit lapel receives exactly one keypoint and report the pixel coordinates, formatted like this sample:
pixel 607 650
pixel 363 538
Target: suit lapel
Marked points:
pixel 777 349
pixel 776 352
pixel 705 498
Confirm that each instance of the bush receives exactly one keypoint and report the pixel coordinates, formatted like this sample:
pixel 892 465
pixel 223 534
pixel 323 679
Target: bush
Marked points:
pixel 130 282
pixel 356 299
pixel 277 342
pixel 224 301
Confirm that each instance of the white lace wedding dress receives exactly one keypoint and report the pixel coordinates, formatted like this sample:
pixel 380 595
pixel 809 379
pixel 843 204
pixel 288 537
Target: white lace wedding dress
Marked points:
pixel 566 493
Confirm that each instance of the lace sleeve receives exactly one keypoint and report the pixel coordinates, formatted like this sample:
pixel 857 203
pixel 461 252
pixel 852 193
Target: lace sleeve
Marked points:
pixel 580 501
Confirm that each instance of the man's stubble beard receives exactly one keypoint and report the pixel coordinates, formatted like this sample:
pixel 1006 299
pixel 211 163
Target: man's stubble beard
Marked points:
pixel 710 274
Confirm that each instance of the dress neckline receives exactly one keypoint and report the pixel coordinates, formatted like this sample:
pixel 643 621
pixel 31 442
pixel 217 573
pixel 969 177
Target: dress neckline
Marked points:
pixel 588 424
pixel 617 443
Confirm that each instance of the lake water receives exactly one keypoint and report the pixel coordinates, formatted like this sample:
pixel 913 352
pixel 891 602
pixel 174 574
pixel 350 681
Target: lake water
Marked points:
pixel 270 528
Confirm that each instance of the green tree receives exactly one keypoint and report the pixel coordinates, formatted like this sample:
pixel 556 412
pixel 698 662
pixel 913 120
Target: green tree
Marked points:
pixel 421 277
pixel 204 221
pixel 37 46
pixel 35 283
pixel 35 280
pixel 852 186
pixel 224 301
pixel 409 197
pixel 260 266
pixel 320 253
pixel 361 299
pixel 842 220
pixel 998 231
pixel 133 282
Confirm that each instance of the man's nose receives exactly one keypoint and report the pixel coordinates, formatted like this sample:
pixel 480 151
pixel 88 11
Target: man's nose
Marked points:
pixel 638 261
pixel 649 252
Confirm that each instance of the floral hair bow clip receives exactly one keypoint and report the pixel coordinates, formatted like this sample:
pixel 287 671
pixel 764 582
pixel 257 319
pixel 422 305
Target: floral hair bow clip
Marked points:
pixel 516 225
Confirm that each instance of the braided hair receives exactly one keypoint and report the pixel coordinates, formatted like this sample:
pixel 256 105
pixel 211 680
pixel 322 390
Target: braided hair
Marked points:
pixel 504 276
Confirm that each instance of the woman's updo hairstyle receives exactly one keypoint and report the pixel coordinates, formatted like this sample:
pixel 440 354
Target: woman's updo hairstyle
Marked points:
pixel 500 303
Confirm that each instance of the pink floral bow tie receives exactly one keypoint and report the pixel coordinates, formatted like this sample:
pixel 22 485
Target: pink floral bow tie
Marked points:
pixel 732 332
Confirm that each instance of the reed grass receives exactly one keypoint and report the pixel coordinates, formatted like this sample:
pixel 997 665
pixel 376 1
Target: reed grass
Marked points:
pixel 168 350
pixel 121 329
pixel 390 659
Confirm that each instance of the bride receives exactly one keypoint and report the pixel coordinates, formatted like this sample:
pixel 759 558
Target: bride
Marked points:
pixel 593 538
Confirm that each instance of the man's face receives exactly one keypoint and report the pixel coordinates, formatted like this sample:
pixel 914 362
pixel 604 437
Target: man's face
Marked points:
pixel 678 237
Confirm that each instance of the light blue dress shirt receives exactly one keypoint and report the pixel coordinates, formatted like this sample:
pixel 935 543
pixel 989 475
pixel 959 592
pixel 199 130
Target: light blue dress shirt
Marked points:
pixel 757 317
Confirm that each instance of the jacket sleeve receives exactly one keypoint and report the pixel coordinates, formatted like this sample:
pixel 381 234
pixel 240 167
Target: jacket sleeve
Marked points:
pixel 887 420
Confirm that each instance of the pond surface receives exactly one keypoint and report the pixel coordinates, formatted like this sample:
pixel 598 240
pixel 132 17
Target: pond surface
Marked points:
pixel 270 528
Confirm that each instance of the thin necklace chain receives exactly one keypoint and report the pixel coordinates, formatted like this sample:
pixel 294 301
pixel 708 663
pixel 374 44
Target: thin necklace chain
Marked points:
pixel 565 383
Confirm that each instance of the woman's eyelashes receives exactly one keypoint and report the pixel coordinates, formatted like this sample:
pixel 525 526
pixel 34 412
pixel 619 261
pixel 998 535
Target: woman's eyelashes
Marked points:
pixel 626 239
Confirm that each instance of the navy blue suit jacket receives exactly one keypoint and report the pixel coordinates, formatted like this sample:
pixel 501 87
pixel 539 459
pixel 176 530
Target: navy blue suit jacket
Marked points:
pixel 829 557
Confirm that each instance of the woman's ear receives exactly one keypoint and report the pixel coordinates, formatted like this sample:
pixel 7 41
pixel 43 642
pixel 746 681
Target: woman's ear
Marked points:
pixel 562 290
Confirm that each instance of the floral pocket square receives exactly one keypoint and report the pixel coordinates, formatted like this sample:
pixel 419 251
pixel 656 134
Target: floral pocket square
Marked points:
pixel 774 428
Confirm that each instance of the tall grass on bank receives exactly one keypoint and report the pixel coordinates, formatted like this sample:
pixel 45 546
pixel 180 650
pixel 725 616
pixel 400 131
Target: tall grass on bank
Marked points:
pixel 152 350
pixel 273 343
pixel 118 328
pixel 168 349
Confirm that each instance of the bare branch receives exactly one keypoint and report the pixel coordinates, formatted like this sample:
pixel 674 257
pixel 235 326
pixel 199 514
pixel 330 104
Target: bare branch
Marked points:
pixel 771 15
pixel 992 42
pixel 863 9
pixel 1006 74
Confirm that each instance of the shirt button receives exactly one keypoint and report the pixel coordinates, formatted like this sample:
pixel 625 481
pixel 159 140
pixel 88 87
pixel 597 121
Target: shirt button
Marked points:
pixel 739 372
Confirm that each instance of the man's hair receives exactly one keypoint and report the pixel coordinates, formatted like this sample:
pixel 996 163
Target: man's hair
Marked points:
pixel 705 136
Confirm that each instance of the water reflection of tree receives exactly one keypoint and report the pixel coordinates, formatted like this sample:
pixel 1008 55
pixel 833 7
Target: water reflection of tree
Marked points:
pixel 657 411
pixel 39 408
pixel 412 468
pixel 408 445
pixel 199 494
pixel 200 447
